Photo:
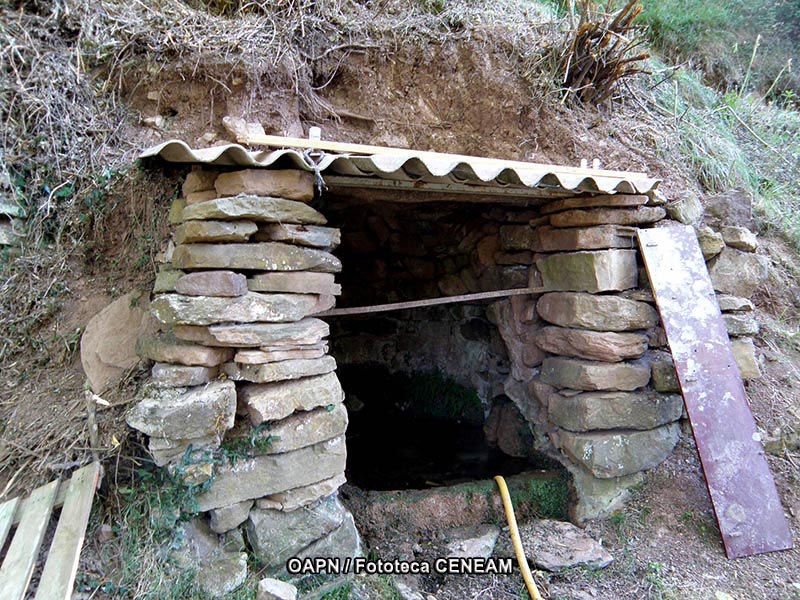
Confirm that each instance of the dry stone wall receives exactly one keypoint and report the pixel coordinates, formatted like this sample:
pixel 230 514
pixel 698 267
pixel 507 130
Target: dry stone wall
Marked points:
pixel 243 401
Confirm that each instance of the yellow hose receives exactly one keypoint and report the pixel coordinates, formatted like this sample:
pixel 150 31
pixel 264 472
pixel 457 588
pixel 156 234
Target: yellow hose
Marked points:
pixel 515 539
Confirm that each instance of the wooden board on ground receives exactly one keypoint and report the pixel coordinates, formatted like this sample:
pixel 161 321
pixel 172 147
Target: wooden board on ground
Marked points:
pixel 742 490
pixel 32 516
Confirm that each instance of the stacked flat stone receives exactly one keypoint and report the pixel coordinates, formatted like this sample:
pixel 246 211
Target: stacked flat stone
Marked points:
pixel 12 227
pixel 241 366
pixel 595 329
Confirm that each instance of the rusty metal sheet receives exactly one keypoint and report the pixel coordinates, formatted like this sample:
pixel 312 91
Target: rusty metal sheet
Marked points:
pixel 742 490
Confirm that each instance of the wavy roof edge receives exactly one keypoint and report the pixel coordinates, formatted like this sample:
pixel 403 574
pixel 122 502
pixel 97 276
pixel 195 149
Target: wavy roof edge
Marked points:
pixel 415 166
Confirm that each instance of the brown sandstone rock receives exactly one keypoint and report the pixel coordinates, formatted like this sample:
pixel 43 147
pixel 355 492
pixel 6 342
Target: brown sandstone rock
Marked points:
pixel 315 236
pixel 738 273
pixel 165 348
pixel 597 271
pixel 212 283
pixel 305 282
pixel 290 183
pixel 280 371
pixel 274 401
pixel 214 231
pixel 254 208
pixel 593 345
pixel 589 375
pixel 608 216
pixel 599 313
pixel 614 410
pixel 601 200
pixel 303 496
pixel 169 375
pixel 265 256
pixel 305 332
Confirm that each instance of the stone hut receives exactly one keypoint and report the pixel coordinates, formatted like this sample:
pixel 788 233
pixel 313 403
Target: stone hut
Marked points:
pixel 265 242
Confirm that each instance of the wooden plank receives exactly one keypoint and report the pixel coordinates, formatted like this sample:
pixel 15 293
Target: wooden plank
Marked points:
pixel 59 502
pixel 58 575
pixel 15 574
pixel 7 512
pixel 742 490
pixel 277 141
pixel 361 310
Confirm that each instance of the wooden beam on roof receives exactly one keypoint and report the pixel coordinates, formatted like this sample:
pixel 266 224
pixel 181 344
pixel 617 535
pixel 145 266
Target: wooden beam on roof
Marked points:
pixel 276 141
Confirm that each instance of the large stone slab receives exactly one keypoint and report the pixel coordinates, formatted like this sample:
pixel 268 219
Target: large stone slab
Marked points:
pixel 275 536
pixel 254 208
pixel 165 348
pixel 608 216
pixel 260 476
pixel 280 371
pixel 614 410
pixel 592 345
pixel 169 450
pixel 169 375
pixel 260 357
pixel 183 413
pixel 263 256
pixel 738 273
pixel 587 375
pixel 175 309
pixel 289 183
pixel 302 496
pixel 601 200
pixel 342 543
pixel 554 239
pixel 744 352
pixel 598 313
pixel 615 454
pixel 298 430
pixel 212 283
pixel 108 344
pixel 315 236
pixel 214 231
pixel 590 271
pixel 306 282
pixel 274 401
pixel 253 335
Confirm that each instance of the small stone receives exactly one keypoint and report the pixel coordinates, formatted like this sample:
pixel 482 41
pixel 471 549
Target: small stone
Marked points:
pixel 212 283
pixel 197 197
pixel 733 207
pixel 223 574
pixel 199 181
pixel 744 352
pixel 165 348
pixel 260 357
pixel 599 313
pixel 306 282
pixel 608 216
pixel 588 375
pixel 740 324
pixel 554 239
pixel 265 256
pixel 664 377
pixel 275 589
pixel 734 304
pixel 738 273
pixel 280 371
pixel 290 183
pixel 557 545
pixel 259 476
pixel 275 536
pixel 184 413
pixel 230 517
pixel 274 401
pixel 600 200
pixel 599 271
pixel 343 543
pixel 166 279
pixel 303 429
pixel 614 410
pixel 288 335
pixel 687 209
pixel 303 496
pixel 255 208
pixel 465 542
pixel 237 127
pixel 740 238
pixel 214 231
pixel 108 344
pixel 315 236
pixel 168 375
pixel 175 309
pixel 592 345
pixel 176 211
pixel 11 209
pixel 615 454
pixel 711 242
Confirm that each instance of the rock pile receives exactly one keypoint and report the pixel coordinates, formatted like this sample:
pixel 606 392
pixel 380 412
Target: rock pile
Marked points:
pixel 12 227
pixel 243 398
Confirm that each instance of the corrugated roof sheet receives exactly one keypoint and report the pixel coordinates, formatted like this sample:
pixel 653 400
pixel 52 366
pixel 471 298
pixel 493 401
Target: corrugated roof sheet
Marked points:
pixel 412 167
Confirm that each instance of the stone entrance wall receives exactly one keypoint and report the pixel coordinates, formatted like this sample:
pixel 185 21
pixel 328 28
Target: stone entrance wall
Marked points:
pixel 243 398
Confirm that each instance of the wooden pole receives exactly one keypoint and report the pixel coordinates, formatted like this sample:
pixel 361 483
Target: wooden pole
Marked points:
pixel 361 310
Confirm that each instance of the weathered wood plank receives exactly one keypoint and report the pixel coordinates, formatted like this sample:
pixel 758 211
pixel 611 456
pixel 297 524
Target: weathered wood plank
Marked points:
pixel 361 310
pixel 61 566
pixel 742 490
pixel 7 512
pixel 15 574
pixel 59 502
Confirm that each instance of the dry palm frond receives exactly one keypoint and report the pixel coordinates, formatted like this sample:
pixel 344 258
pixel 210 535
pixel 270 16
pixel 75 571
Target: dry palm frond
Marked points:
pixel 602 52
